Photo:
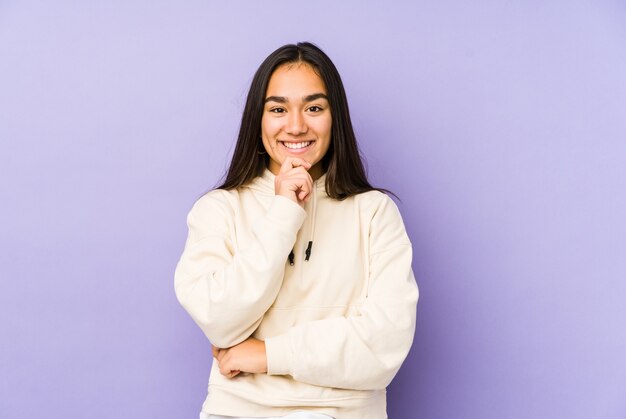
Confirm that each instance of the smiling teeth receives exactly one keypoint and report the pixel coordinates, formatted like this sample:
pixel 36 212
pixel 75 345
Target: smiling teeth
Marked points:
pixel 296 146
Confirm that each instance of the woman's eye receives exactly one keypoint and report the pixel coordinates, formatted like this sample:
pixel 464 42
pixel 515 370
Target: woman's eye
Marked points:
pixel 277 110
pixel 315 108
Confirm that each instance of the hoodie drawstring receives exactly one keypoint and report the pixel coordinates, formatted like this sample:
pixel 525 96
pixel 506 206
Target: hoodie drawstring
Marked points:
pixel 309 247
pixel 291 258
pixel 307 253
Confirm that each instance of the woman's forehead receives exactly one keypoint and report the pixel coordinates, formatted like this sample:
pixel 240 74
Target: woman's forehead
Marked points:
pixel 295 80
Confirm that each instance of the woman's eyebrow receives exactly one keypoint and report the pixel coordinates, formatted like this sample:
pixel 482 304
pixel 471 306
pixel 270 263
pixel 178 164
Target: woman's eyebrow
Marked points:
pixel 315 96
pixel 279 99
pixel 308 98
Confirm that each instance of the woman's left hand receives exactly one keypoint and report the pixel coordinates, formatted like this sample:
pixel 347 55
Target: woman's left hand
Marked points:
pixel 248 356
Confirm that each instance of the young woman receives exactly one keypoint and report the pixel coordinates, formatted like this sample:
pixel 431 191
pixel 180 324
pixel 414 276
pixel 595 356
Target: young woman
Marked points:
pixel 297 269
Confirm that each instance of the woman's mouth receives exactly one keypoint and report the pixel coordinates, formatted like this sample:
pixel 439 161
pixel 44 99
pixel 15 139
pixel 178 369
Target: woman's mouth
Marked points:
pixel 296 147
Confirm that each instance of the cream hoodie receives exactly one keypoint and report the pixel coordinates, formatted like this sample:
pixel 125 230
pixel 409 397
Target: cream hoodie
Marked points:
pixel 336 327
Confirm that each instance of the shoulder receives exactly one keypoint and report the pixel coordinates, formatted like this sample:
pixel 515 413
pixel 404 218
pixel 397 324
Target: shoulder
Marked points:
pixel 377 203
pixel 212 214
pixel 214 197
pixel 386 227
pixel 214 203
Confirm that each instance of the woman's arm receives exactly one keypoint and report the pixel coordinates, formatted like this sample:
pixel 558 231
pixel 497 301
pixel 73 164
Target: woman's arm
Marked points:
pixel 361 352
pixel 365 351
pixel 226 290
pixel 357 352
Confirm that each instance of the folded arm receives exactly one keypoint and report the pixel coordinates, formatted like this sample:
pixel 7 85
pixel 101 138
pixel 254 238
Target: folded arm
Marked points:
pixel 362 352
pixel 227 290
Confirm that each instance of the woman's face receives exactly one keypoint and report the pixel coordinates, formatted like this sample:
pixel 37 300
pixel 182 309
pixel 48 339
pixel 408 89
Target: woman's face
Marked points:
pixel 296 118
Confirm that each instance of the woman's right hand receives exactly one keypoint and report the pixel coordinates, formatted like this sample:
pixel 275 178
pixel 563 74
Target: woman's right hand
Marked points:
pixel 293 181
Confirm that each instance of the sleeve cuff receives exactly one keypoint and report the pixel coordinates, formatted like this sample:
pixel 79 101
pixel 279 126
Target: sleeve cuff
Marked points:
pixel 279 355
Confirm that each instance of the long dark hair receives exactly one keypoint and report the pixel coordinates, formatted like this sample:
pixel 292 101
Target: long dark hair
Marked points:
pixel 345 174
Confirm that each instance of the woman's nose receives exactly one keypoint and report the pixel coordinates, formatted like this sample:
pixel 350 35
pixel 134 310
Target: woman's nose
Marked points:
pixel 296 124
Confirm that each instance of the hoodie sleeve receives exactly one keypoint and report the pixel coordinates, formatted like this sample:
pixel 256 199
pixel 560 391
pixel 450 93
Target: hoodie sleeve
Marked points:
pixel 227 290
pixel 365 351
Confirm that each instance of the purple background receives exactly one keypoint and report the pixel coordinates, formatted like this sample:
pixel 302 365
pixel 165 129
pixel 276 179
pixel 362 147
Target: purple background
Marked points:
pixel 501 125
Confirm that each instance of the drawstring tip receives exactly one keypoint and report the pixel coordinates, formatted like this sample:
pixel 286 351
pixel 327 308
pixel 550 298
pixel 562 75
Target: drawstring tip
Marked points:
pixel 291 258
pixel 308 251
